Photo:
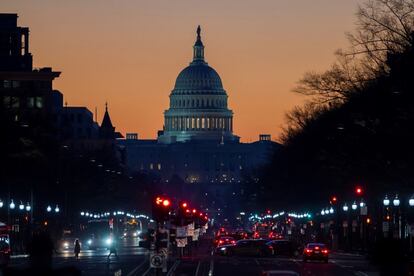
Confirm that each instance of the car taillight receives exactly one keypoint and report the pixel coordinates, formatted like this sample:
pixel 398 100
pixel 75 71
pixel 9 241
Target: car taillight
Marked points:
pixel 233 242
pixel 220 242
pixel 316 247
pixel 325 251
pixel 308 250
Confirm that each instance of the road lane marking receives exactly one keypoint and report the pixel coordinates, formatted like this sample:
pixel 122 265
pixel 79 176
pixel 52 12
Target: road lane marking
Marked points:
pixel 198 268
pixel 136 268
pixel 173 268
pixel 211 271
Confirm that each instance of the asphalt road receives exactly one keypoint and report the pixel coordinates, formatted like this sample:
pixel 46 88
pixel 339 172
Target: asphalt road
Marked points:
pixel 339 265
pixel 133 261
pixel 96 262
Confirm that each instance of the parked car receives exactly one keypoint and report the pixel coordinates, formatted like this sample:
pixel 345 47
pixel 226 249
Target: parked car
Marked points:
pixel 5 250
pixel 316 251
pixel 246 248
pixel 285 248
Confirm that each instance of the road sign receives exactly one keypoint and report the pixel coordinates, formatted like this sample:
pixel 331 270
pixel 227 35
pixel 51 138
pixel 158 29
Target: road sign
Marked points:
pixel 181 232
pixel 157 260
pixel 181 242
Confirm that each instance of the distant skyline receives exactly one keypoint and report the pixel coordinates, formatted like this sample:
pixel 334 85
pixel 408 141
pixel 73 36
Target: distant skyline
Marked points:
pixel 129 53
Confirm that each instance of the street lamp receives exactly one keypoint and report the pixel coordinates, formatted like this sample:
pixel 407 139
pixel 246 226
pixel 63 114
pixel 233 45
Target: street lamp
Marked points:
pixel 12 205
pixel 354 206
pixel 345 208
pixel 82 214
pixel 331 210
pixel 28 207
pixel 21 206
pixel 386 201
pixel 1 203
pixel 57 209
pixel 361 204
pixel 411 201
pixel 323 212
pixel 396 201
pixel 49 209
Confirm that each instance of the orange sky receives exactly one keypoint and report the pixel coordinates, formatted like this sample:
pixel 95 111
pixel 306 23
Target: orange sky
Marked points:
pixel 129 52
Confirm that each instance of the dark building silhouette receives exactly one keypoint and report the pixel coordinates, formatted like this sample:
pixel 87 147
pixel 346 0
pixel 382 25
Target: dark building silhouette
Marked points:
pixel 26 94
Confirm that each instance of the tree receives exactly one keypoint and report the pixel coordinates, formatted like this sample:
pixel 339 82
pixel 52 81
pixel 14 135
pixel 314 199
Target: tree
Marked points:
pixel 384 27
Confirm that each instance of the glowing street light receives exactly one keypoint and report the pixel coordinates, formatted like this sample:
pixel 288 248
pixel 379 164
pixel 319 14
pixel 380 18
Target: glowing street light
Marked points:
pixel 12 205
pixel 57 209
pixel 323 212
pixel 1 203
pixel 21 206
pixel 331 211
pixel 345 208
pixel 354 206
pixel 396 201
pixel 361 204
pixel 386 201
pixel 49 209
pixel 28 207
pixel 411 201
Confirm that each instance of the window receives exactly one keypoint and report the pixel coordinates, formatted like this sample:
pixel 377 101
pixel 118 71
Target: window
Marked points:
pixel 159 166
pixel 7 84
pixel 15 102
pixel 15 84
pixel 151 166
pixel 30 102
pixel 39 102
pixel 7 101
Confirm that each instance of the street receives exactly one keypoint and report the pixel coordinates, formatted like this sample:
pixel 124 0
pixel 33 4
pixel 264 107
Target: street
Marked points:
pixel 133 260
pixel 95 262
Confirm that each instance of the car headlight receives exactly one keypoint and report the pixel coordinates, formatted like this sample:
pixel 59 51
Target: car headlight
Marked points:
pixel 109 241
pixel 65 244
pixel 89 242
pixel 135 234
pixel 223 249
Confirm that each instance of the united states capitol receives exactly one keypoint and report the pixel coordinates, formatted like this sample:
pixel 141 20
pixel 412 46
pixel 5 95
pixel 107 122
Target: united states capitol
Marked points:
pixel 197 143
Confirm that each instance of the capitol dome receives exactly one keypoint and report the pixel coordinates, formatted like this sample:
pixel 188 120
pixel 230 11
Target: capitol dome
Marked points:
pixel 198 77
pixel 198 104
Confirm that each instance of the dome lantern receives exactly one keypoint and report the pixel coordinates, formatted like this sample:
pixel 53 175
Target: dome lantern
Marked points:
pixel 198 53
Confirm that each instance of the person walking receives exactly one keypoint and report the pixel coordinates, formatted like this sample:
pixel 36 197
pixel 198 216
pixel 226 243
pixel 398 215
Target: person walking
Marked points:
pixel 77 249
pixel 112 249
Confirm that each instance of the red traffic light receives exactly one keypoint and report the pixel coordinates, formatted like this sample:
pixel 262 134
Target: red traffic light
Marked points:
pixel 184 204
pixel 162 201
pixel 194 211
pixel 359 190
pixel 334 199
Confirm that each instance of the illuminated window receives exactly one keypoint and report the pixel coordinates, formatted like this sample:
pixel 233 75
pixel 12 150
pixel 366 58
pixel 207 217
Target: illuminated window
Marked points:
pixel 159 166
pixel 151 166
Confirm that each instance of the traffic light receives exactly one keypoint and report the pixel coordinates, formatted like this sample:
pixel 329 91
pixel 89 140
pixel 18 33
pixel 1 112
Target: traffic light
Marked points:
pixel 334 200
pixel 359 191
pixel 161 209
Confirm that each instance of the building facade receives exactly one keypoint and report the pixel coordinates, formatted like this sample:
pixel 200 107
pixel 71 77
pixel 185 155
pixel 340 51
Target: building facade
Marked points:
pixel 197 142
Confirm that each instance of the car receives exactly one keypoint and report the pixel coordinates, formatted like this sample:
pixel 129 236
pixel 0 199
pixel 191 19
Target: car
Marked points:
pixel 99 242
pixel 285 248
pixel 225 240
pixel 246 248
pixel 67 243
pixel 316 251
pixel 5 250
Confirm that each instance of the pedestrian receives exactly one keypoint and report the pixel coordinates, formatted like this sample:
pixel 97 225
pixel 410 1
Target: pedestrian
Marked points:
pixel 77 249
pixel 112 250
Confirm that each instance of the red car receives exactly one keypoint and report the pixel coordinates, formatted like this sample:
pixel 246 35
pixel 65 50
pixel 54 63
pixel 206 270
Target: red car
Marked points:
pixel 316 251
pixel 224 240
